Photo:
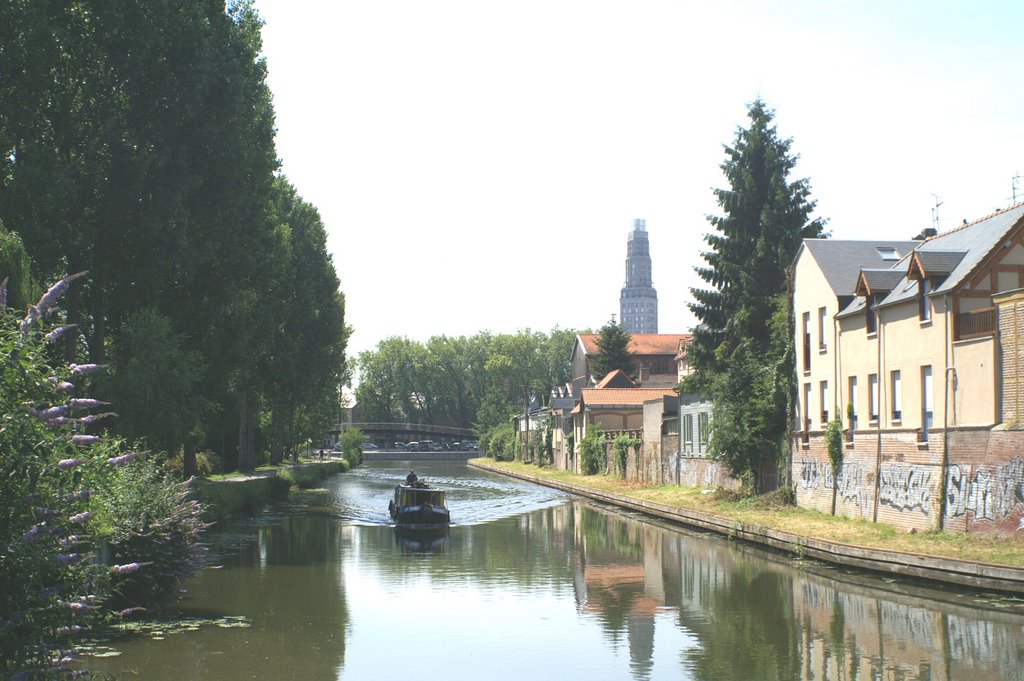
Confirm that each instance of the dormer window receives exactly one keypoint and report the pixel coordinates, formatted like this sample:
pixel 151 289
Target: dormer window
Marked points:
pixel 887 253
pixel 924 305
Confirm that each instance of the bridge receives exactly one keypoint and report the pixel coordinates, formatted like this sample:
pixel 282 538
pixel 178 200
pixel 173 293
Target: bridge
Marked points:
pixel 390 433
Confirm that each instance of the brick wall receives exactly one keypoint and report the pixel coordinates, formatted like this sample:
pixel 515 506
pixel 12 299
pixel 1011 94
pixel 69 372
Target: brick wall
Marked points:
pixel 891 477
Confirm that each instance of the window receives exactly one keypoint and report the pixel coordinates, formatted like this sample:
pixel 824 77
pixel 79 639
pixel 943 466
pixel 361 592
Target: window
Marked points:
pixel 887 253
pixel 924 305
pixel 823 393
pixel 807 340
pixel 872 315
pixel 822 342
pixel 703 430
pixel 688 433
pixel 853 401
pixel 807 406
pixel 927 402
pixel 873 397
pixel 896 384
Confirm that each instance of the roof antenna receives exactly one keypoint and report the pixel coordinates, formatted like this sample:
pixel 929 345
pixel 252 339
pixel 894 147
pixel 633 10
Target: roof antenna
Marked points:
pixel 935 212
pixel 1014 186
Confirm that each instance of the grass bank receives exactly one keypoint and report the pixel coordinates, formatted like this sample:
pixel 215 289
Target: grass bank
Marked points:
pixel 770 513
pixel 237 494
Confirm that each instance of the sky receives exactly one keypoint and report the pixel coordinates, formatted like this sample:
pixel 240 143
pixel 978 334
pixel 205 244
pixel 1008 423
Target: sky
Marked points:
pixel 478 164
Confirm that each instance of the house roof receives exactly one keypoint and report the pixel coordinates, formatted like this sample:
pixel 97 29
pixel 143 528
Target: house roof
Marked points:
pixel 936 263
pixel 873 282
pixel 640 343
pixel 617 379
pixel 623 397
pixel 975 241
pixel 955 255
pixel 841 261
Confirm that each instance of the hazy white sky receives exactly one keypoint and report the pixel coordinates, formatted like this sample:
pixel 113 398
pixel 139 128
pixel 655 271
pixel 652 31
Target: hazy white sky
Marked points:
pixel 479 163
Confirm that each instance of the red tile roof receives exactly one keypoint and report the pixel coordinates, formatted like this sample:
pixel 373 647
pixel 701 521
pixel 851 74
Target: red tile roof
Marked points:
pixel 609 397
pixel 618 375
pixel 641 343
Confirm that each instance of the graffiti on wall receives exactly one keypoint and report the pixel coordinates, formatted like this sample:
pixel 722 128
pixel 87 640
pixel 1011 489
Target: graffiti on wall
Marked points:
pixel 906 487
pixel 988 493
pixel 851 482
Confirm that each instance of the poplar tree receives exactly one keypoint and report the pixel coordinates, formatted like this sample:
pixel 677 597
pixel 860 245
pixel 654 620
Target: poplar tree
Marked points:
pixel 741 351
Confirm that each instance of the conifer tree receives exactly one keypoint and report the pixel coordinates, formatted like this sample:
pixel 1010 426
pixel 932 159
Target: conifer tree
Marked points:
pixel 740 351
pixel 613 345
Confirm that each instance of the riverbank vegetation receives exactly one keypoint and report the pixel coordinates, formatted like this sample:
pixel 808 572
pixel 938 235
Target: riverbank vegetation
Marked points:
pixel 773 512
pixel 478 382
pixel 138 145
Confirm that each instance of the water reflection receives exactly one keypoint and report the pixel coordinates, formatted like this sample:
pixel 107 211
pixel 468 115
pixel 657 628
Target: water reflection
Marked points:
pixel 534 583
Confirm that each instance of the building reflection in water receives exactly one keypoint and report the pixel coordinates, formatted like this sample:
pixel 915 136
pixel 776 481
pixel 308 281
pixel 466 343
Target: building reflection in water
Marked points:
pixel 759 615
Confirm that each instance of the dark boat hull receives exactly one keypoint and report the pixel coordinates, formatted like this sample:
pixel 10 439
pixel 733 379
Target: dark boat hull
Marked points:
pixel 421 515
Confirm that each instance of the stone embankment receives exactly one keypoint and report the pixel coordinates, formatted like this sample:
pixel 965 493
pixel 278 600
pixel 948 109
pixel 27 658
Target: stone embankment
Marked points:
pixel 1003 578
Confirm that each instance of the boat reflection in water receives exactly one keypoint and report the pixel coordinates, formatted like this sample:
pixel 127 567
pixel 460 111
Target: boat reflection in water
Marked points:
pixel 421 539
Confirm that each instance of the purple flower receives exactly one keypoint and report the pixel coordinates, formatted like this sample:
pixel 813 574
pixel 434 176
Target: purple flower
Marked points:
pixel 3 294
pixel 92 418
pixel 85 440
pixel 123 459
pixel 81 495
pixel 68 464
pixel 42 512
pixel 71 540
pixel 77 606
pixel 34 533
pixel 54 412
pixel 126 569
pixel 83 369
pixel 81 517
pixel 68 631
pixel 69 558
pixel 85 403
pixel 56 333
pixel 129 611
pixel 55 292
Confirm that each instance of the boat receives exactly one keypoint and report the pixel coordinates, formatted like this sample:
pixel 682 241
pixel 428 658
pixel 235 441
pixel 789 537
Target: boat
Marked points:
pixel 417 503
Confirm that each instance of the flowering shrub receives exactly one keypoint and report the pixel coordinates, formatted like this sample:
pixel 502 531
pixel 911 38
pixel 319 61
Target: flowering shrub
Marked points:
pixel 57 484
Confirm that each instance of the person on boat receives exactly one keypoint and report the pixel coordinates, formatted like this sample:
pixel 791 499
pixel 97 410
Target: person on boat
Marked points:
pixel 411 479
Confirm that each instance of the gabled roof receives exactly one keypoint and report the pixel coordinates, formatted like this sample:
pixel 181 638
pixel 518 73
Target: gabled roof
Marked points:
pixel 976 241
pixel 640 343
pixel 623 397
pixel 876 282
pixel 617 379
pixel 841 261
pixel 925 264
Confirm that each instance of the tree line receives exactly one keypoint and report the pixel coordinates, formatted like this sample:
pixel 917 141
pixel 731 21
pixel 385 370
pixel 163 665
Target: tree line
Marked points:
pixel 468 382
pixel 137 145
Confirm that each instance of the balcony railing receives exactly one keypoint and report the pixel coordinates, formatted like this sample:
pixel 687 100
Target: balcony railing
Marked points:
pixel 975 323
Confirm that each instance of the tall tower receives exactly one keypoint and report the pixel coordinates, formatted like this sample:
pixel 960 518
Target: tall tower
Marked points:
pixel 638 302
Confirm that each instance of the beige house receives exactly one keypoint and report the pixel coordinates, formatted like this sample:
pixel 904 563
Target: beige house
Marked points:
pixel 907 351
pixel 658 357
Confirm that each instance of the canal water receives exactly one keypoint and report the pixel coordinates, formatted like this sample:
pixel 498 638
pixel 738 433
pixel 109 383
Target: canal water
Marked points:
pixel 532 583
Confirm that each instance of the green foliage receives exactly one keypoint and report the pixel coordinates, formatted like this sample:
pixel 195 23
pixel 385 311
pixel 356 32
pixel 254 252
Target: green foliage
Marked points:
pixel 310 475
pixel 138 144
pixel 593 452
pixel 232 498
pixel 500 443
pixel 207 463
pixel 621 446
pixel 155 380
pixel 478 382
pixel 834 444
pixel 146 518
pixel 613 346
pixel 85 527
pixel 351 443
pixel 15 271
pixel 741 351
